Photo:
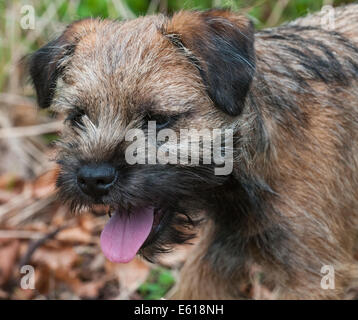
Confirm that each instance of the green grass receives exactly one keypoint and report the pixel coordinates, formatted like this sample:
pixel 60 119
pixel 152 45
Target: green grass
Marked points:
pixel 50 138
pixel 157 285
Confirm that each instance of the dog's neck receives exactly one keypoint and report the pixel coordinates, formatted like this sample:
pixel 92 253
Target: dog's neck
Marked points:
pixel 249 196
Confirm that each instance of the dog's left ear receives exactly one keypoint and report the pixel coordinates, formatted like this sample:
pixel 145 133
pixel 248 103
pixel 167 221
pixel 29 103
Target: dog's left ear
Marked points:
pixel 221 44
pixel 47 64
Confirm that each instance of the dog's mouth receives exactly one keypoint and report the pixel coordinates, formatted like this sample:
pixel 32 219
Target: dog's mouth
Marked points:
pixel 127 232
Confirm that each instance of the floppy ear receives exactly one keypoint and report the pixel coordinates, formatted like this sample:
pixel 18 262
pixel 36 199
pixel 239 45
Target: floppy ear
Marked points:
pixel 47 64
pixel 221 44
pixel 45 69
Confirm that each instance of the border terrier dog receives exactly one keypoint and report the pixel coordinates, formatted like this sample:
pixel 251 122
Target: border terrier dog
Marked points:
pixel 290 94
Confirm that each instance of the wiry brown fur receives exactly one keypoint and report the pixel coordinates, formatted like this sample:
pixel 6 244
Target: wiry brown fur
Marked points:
pixel 291 204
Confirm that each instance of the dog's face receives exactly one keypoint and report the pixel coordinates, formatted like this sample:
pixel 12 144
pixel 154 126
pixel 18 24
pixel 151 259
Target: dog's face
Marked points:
pixel 191 71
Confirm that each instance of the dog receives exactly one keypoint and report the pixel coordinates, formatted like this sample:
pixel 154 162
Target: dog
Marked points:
pixel 289 94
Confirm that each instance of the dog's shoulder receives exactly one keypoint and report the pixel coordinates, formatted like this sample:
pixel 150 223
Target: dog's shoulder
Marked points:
pixel 343 20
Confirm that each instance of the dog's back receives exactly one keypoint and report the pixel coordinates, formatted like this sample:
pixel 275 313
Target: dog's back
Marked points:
pixel 306 90
pixel 342 19
pixel 311 67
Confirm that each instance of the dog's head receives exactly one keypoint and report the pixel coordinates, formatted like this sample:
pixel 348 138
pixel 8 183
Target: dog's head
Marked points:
pixel 191 71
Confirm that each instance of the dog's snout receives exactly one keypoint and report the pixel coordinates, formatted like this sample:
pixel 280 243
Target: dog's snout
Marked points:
pixel 96 180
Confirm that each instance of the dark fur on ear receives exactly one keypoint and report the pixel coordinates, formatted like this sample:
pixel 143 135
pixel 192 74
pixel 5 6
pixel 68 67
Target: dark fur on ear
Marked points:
pixel 45 65
pixel 45 69
pixel 221 45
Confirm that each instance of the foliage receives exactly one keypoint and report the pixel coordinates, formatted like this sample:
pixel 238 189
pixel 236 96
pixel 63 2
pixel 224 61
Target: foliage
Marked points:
pixel 157 285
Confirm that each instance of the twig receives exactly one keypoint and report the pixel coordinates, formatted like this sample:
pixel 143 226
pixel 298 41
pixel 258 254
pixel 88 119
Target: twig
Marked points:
pixel 15 146
pixel 30 210
pixel 216 3
pixel 20 234
pixel 39 242
pixel 153 6
pixel 123 10
pixel 5 196
pixel 163 6
pixel 277 12
pixel 36 244
pixel 15 99
pixel 18 132
pixel 15 203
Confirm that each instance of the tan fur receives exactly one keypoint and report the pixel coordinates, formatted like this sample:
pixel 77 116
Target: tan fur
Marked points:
pixel 310 160
pixel 319 188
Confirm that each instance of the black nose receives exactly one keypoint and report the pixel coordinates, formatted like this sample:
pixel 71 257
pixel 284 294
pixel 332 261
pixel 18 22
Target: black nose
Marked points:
pixel 96 180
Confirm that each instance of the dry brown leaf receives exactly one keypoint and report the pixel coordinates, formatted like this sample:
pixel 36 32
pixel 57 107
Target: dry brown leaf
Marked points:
pixel 130 275
pixel 3 294
pixel 8 255
pixel 88 289
pixel 6 179
pixel 5 196
pixel 43 281
pixel 24 115
pixel 21 294
pixel 88 222
pixel 55 259
pixel 10 182
pixel 75 234
pixel 60 216
pixel 44 185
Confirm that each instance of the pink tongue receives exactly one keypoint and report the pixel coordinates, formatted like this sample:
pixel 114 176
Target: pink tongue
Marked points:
pixel 125 233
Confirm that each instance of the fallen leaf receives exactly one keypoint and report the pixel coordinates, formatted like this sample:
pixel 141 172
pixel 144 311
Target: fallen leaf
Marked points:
pixel 21 294
pixel 3 294
pixel 75 234
pixel 10 182
pixel 130 275
pixel 8 255
pixel 88 289
pixel 44 185
pixel 55 259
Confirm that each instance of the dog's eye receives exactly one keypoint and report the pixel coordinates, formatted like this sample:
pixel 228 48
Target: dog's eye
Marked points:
pixel 75 117
pixel 162 121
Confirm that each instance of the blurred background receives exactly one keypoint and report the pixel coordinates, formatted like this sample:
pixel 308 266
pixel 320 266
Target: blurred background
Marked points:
pixel 37 230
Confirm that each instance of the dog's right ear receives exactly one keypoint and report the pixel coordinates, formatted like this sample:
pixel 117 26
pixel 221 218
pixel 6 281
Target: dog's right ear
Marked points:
pixel 47 64
pixel 45 68
pixel 220 43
